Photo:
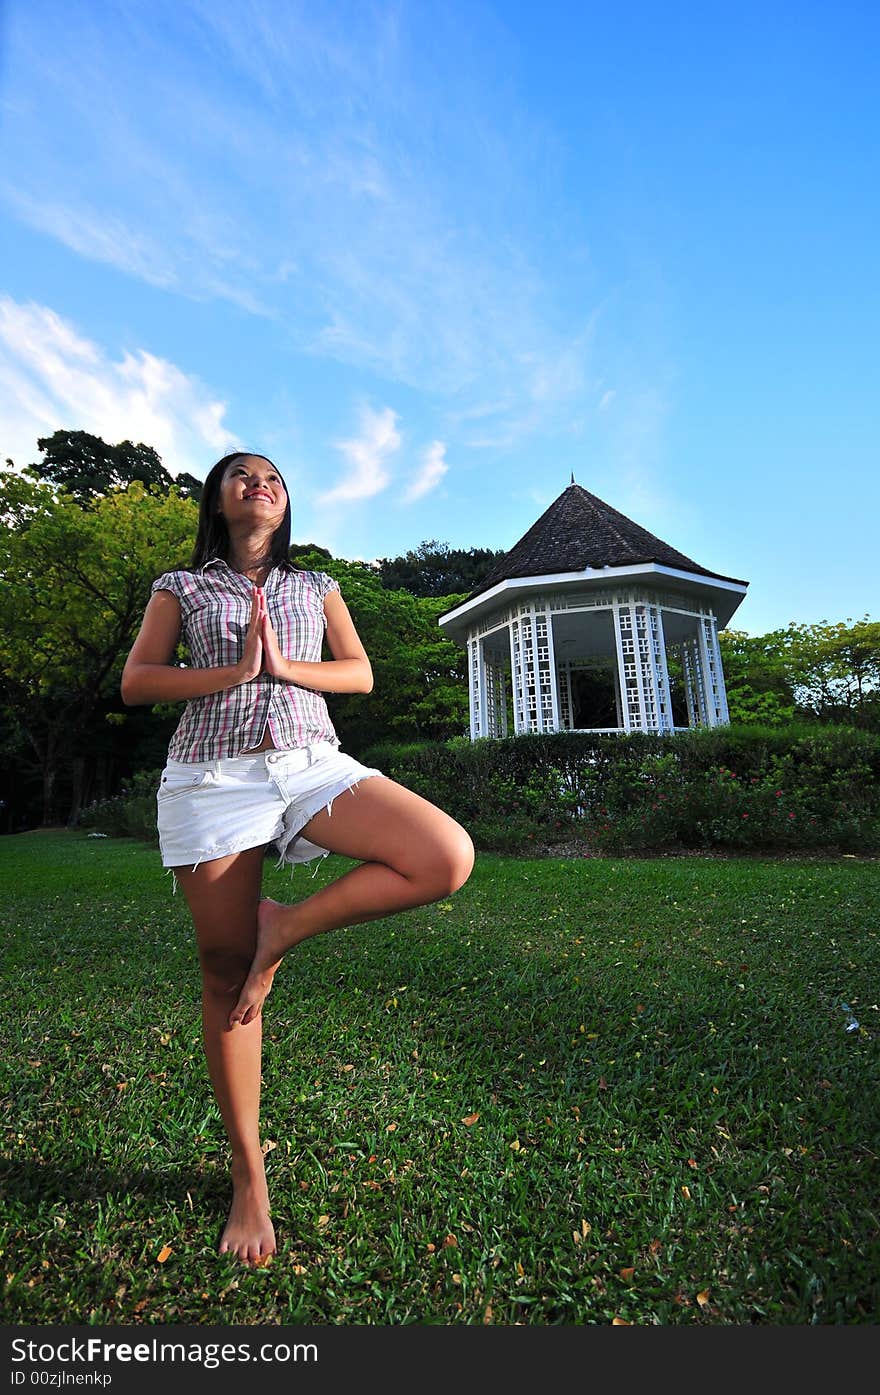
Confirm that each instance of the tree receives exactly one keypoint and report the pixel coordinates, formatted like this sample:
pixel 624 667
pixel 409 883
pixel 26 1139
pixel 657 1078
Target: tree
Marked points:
pixel 86 467
pixel 435 569
pixel 758 677
pixel 820 671
pixel 836 669
pixel 420 681
pixel 75 583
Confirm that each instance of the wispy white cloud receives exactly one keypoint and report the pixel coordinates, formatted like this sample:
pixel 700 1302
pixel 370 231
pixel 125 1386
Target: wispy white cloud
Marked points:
pixel 54 378
pixel 299 163
pixel 606 399
pixel 431 472
pixel 99 237
pixel 367 456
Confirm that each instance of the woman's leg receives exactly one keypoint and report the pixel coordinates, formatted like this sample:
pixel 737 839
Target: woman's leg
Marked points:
pixel 410 852
pixel 223 896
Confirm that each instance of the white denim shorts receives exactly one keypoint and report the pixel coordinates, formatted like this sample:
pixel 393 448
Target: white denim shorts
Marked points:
pixel 208 809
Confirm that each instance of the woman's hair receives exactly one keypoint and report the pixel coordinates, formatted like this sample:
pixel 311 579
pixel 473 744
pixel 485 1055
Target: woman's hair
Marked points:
pixel 212 538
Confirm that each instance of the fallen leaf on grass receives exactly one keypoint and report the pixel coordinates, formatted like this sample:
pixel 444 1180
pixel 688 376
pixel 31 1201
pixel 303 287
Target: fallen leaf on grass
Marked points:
pixel 450 1242
pixel 703 1298
pixel 627 1274
pixel 470 1119
pixel 268 1146
pixel 515 1146
pixel 620 1322
pixel 686 1193
pixel 299 1269
pixel 261 1261
pixel 163 1254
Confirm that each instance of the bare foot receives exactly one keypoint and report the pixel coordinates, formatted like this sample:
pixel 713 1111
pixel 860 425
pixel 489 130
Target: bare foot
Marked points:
pixel 270 950
pixel 249 1233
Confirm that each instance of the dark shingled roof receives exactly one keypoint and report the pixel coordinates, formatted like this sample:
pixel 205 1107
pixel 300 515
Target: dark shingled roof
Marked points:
pixel 579 531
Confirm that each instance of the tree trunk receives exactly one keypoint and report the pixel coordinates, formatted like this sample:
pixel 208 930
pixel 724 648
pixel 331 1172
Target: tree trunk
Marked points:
pixel 49 773
pixel 76 799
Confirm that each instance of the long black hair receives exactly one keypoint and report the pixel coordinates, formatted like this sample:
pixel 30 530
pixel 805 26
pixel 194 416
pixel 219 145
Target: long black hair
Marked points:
pixel 212 538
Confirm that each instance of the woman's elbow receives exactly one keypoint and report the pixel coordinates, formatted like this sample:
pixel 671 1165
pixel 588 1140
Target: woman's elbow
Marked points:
pixel 128 688
pixel 367 684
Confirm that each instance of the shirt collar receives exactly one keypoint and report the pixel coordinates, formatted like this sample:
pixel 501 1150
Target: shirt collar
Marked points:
pixel 221 561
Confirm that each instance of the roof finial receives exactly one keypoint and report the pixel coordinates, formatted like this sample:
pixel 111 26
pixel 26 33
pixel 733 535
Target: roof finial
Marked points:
pixel 572 476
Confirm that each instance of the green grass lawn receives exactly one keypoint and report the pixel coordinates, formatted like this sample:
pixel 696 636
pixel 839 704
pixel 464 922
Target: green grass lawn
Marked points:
pixel 579 1090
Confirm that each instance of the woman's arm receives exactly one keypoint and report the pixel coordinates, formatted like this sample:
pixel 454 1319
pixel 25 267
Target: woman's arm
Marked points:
pixel 149 675
pixel 349 670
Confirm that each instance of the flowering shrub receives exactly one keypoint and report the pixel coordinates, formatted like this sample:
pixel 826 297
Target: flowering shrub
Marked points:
pixel 796 787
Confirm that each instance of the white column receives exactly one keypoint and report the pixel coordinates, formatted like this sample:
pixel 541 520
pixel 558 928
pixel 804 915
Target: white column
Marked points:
pixel 687 675
pixel 692 654
pixel 652 718
pixel 473 691
pixel 482 688
pixel 536 671
pixel 554 678
pixel 516 677
pixel 617 611
pixel 710 687
pixel 528 666
pixel 662 665
pixel 720 686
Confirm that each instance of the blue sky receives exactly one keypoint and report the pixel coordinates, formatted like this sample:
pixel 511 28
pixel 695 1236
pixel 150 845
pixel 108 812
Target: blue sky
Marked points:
pixel 433 258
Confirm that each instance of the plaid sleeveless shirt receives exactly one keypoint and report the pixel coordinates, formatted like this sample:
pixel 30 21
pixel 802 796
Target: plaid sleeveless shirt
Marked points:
pixel 215 605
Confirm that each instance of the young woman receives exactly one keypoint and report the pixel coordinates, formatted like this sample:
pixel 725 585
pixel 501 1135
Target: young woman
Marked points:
pixel 254 761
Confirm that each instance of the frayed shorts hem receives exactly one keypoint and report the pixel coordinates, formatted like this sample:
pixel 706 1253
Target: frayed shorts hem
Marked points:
pixel 203 806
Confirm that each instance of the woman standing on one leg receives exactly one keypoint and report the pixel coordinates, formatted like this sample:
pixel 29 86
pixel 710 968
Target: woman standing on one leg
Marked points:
pixel 255 760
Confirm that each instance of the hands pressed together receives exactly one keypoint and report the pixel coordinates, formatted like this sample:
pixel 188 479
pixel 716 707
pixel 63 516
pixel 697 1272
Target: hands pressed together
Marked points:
pixel 262 652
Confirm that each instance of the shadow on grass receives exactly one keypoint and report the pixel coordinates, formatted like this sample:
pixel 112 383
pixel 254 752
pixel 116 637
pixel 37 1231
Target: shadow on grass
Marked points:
pixel 50 1183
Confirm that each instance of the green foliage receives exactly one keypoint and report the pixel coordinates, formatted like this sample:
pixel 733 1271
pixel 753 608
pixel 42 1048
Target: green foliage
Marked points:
pixel 86 467
pixel 774 788
pixel 436 569
pixel 830 672
pixel 837 668
pixel 419 683
pixel 75 583
pixel 757 676
pixel 131 813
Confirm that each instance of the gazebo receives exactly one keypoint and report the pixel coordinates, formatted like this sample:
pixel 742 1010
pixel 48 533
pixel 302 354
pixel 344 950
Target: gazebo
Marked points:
pixel 572 629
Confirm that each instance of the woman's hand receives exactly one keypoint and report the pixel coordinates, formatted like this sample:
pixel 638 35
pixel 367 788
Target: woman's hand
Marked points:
pixel 274 661
pixel 251 661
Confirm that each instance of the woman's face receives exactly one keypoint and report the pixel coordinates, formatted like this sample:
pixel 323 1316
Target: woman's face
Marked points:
pixel 252 490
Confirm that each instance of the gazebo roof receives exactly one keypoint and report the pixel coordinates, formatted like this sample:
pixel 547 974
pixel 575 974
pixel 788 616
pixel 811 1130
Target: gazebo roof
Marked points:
pixel 580 531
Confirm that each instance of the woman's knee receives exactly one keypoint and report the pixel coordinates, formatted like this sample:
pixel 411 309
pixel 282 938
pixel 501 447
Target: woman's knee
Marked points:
pixel 223 971
pixel 450 862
